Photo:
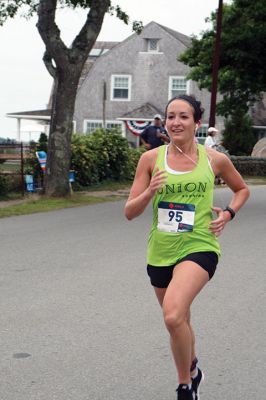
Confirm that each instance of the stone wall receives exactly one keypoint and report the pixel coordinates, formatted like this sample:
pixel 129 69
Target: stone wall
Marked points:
pixel 250 166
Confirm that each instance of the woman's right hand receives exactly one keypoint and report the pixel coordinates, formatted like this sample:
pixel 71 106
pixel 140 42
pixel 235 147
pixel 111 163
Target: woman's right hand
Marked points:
pixel 158 180
pixel 145 184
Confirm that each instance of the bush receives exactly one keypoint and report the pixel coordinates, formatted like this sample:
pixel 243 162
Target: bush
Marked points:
pixel 103 155
pixel 32 165
pixel 42 144
pixel 238 135
pixel 10 184
pixel 4 185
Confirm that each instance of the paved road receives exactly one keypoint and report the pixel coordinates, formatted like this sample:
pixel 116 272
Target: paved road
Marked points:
pixel 79 320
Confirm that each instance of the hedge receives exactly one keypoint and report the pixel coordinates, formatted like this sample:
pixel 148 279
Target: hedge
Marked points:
pixel 249 166
pixel 103 155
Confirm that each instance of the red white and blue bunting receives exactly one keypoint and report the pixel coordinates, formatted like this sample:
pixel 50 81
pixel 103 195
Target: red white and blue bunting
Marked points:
pixel 136 127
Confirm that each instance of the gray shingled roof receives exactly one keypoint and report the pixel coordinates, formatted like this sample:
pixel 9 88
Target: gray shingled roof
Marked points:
pixel 186 40
pixel 104 45
pixel 41 113
pixel 144 112
pixel 90 60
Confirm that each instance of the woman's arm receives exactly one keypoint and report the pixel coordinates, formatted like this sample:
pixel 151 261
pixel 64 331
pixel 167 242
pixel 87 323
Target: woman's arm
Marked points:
pixel 234 181
pixel 144 186
pixel 224 167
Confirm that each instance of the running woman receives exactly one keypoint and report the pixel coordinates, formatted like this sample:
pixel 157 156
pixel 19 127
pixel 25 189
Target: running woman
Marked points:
pixel 183 249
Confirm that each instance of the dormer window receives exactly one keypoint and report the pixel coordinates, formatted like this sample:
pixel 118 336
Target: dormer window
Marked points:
pixel 153 45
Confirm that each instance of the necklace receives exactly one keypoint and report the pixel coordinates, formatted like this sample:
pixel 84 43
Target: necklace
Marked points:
pixel 184 154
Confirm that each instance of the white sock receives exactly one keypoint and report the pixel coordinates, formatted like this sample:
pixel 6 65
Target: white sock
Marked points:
pixel 195 373
pixel 185 385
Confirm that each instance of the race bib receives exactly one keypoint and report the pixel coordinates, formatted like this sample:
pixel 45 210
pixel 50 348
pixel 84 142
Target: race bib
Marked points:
pixel 175 217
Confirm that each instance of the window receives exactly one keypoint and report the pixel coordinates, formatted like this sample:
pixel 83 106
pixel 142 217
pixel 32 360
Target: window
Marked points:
pixel 91 125
pixel 114 125
pixel 153 45
pixel 121 87
pixel 177 85
pixel 95 52
pixel 202 133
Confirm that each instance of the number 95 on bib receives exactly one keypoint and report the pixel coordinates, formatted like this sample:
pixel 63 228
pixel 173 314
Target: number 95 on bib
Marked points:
pixel 175 217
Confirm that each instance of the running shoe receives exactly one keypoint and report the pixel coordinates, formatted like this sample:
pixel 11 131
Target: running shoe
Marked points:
pixel 196 384
pixel 184 393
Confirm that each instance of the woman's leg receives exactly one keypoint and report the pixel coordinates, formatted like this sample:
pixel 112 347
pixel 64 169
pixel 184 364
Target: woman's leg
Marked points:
pixel 160 293
pixel 188 279
pixel 193 340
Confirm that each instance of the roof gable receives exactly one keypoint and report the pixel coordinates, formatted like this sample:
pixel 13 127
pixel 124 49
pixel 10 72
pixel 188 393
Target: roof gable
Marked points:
pixel 185 40
pixel 145 112
pixel 92 63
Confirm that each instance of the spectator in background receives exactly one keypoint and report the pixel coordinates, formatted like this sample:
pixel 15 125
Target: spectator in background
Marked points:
pixel 211 142
pixel 210 139
pixel 221 148
pixel 154 135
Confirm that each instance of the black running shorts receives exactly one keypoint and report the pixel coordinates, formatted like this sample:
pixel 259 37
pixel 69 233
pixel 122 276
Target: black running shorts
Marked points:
pixel 161 276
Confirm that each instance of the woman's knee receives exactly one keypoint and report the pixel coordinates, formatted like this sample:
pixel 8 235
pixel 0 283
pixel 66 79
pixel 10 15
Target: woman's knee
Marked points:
pixel 174 319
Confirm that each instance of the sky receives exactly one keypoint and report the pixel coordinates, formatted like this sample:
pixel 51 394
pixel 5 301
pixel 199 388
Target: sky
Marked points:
pixel 25 83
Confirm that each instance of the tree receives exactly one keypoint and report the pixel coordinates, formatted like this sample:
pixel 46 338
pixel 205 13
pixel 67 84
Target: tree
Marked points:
pixel 65 64
pixel 241 78
pixel 238 144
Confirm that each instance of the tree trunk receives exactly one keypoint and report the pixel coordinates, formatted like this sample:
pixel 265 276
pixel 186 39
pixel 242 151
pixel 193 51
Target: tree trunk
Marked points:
pixel 59 145
pixel 65 65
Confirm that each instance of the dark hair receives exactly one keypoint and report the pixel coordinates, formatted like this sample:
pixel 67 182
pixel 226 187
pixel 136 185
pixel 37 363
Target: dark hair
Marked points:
pixel 196 105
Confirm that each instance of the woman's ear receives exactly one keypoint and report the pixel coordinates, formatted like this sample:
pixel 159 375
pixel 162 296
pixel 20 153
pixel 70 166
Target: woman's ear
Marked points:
pixel 198 124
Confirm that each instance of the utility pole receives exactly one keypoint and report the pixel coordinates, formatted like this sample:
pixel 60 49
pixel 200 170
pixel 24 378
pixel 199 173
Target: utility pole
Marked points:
pixel 215 63
pixel 104 103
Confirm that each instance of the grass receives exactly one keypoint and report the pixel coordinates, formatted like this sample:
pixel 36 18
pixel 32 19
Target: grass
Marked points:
pixel 34 204
pixel 108 185
pixel 4 167
pixel 11 196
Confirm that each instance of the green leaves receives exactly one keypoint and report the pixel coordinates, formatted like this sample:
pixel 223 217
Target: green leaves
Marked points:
pixel 102 155
pixel 238 135
pixel 77 3
pixel 243 58
pixel 137 26
pixel 10 8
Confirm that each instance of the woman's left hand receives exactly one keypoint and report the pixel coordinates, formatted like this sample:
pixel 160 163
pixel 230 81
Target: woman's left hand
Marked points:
pixel 217 225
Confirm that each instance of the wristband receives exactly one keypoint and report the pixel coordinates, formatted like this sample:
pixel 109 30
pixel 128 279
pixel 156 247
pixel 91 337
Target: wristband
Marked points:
pixel 231 211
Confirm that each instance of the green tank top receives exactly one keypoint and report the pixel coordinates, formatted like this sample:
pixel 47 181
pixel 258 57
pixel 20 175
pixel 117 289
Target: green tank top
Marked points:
pixel 182 213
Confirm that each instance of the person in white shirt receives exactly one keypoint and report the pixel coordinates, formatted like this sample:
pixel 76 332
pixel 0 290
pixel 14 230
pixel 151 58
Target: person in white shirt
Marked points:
pixel 210 139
